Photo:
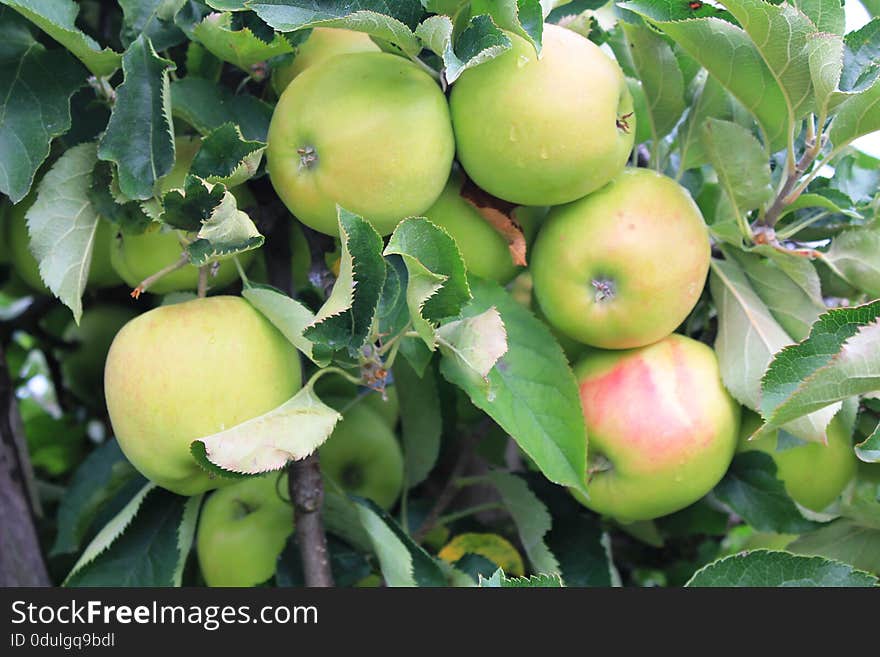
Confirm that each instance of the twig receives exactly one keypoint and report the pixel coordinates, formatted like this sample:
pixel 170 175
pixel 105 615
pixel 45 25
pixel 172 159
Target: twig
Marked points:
pixel 789 191
pixel 203 281
pixel 21 560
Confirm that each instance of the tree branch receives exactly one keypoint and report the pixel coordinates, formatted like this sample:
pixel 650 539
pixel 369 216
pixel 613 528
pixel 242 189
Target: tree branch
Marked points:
pixel 21 560
pixel 304 477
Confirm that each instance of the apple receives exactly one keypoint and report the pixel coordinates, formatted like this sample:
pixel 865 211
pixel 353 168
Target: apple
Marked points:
pixel 363 456
pixel 543 130
pixel 83 368
pixel 189 370
pixel 662 429
pixel 101 273
pixel 242 531
pixel 369 132
pixel 814 474
pixel 322 44
pixel 624 266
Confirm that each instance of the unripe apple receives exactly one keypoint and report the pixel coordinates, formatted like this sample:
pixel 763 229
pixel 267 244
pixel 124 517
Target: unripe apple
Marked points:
pixel 243 529
pixel 543 131
pixel 662 429
pixel 484 249
pixel 369 132
pixel 624 266
pixel 83 367
pixel 101 273
pixel 814 474
pixel 322 44
pixel 363 456
pixel 189 370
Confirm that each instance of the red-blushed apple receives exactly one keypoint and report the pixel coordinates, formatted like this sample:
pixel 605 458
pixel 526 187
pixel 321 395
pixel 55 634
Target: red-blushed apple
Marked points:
pixel 662 429
pixel 369 132
pixel 814 474
pixel 243 529
pixel 543 131
pixel 623 266
pixel 322 44
pixel 189 370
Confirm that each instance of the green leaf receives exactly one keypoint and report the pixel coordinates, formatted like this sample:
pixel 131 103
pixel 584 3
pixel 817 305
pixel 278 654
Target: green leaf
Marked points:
pixel 839 359
pixel 35 90
pixel 393 313
pixel 187 208
pixel 728 53
pixel 437 285
pixel 139 137
pixel 101 476
pixel 740 162
pixel 500 580
pixel 532 393
pixel 752 491
pixel 869 449
pixel 825 58
pixel 857 116
pixel 748 336
pixel 843 540
pixel 241 48
pixel 227 231
pixel 227 157
pixel 662 81
pixel 206 106
pixel 826 15
pixel 391 22
pixel 58 20
pixel 288 316
pixel 861 58
pixel 62 224
pixel 706 98
pixel 475 343
pixel 794 299
pixel 766 568
pixel 532 519
pixel 128 215
pixel 855 257
pixel 202 64
pixel 522 17
pixel 420 419
pixel 153 548
pixel 403 561
pixel 346 318
pixel 268 442
pixel 479 42
pixel 152 19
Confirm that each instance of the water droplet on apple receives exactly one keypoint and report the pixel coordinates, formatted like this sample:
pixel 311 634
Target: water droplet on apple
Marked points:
pixel 513 134
pixel 521 61
pixel 544 154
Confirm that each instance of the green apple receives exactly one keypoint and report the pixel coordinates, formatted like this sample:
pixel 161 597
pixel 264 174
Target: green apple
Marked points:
pixel 543 131
pixel 484 249
pixel 662 429
pixel 189 370
pixel 135 257
pixel 814 474
pixel 369 132
pixel 322 44
pixel 83 368
pixel 363 456
pixel 243 529
pixel 624 266
pixel 101 273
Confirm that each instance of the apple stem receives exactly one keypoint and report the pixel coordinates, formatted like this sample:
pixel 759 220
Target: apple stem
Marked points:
pixel 203 281
pixel 151 280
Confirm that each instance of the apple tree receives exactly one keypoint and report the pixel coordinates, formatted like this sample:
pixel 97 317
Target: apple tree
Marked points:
pixel 440 293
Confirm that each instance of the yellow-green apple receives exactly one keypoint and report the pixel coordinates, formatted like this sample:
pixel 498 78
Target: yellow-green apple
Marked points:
pixel 189 370
pixel 363 456
pixel 624 266
pixel 662 429
pixel 101 273
pixel 243 529
pixel 543 130
pixel 83 367
pixel 322 44
pixel 814 474
pixel 369 132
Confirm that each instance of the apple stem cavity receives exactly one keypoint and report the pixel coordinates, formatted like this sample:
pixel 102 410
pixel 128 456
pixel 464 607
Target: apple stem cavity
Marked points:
pixel 308 157
pixel 623 122
pixel 604 289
